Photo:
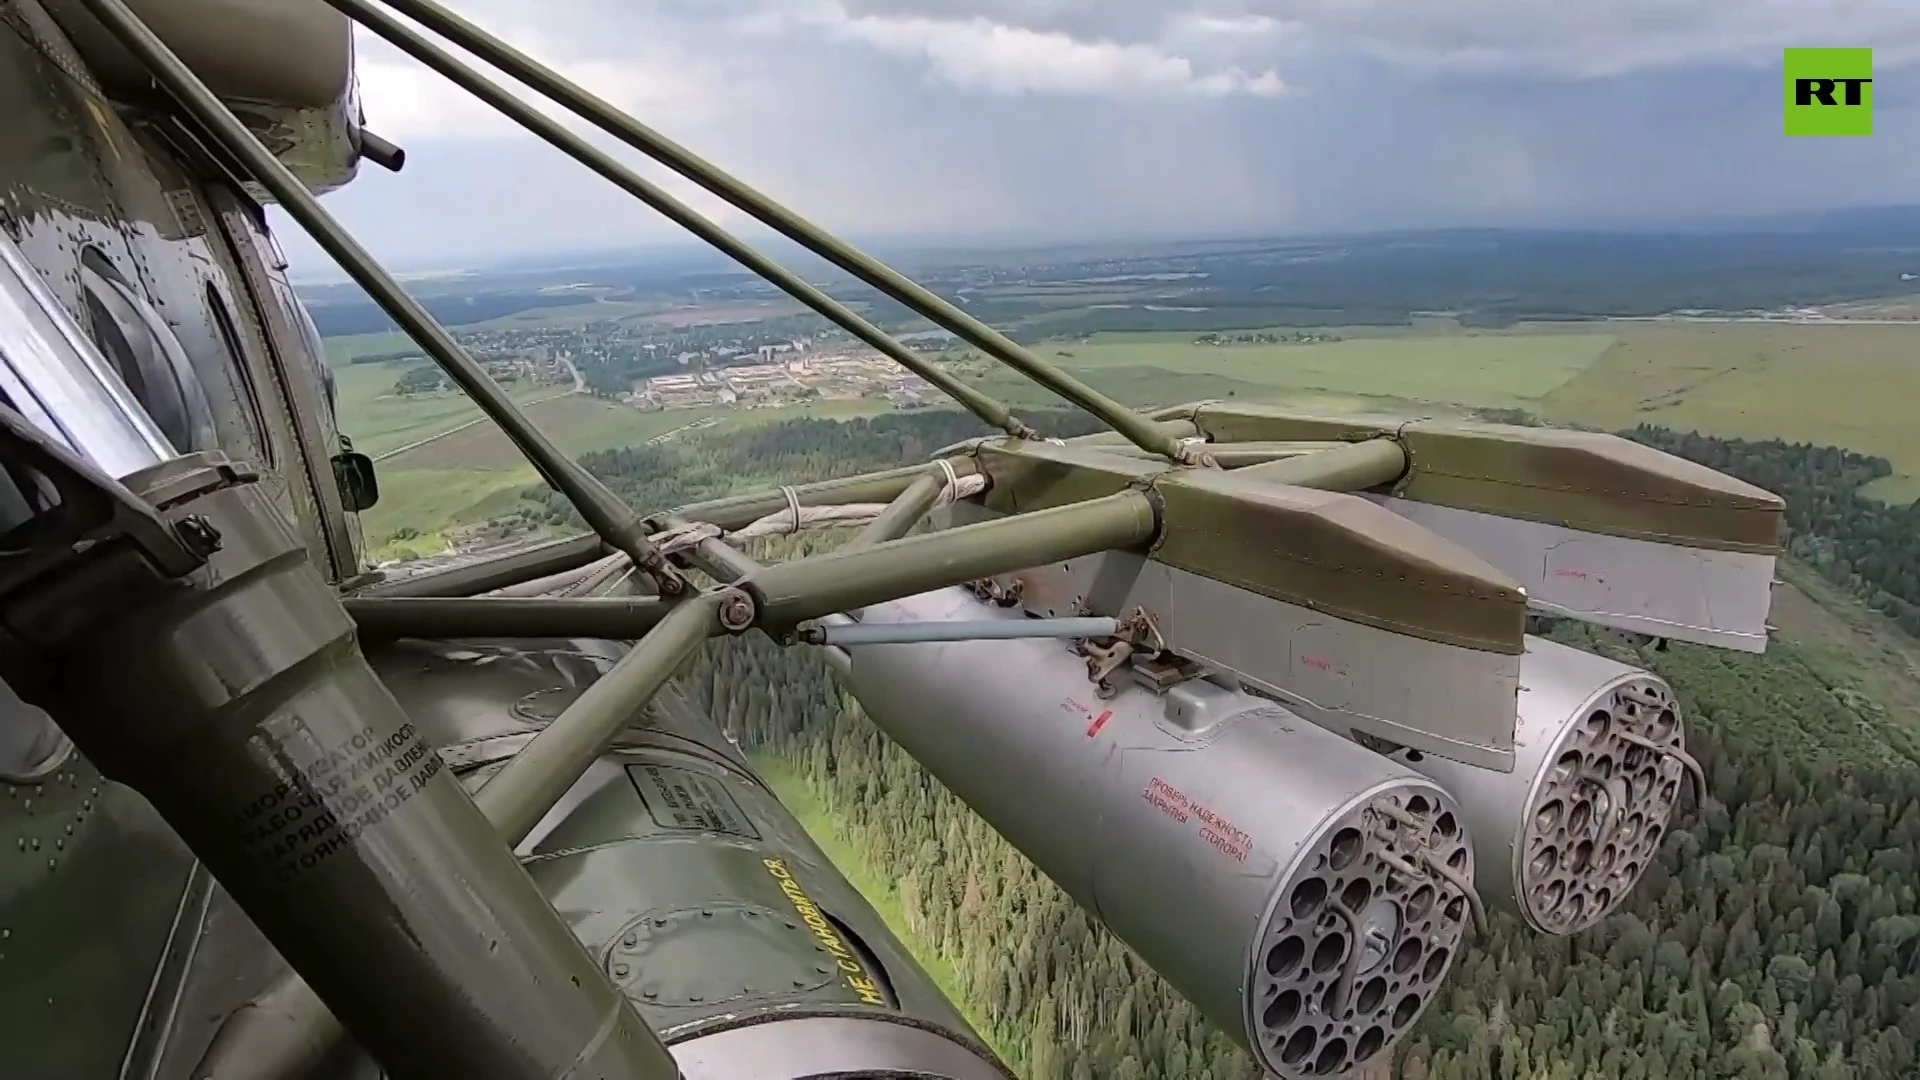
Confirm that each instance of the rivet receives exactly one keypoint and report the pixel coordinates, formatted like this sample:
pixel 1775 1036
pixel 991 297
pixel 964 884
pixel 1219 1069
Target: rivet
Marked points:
pixel 823 969
pixel 695 997
pixel 60 842
pixel 35 843
pixel 630 940
pixel 799 984
pixel 649 992
pixel 621 970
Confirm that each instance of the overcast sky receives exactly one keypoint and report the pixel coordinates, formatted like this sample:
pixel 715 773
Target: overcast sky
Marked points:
pixel 1116 119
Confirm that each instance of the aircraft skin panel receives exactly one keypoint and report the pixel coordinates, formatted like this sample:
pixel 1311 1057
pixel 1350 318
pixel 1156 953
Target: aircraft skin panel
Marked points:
pixel 703 897
pixel 90 877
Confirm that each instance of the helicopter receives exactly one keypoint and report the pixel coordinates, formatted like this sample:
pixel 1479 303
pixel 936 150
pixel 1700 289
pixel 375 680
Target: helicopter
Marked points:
pixel 1267 699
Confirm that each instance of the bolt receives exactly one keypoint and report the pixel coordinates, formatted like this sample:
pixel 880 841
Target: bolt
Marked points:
pixel 736 611
pixel 198 534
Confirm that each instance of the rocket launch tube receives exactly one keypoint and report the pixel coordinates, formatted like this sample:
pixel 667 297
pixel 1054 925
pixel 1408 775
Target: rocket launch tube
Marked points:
pixel 1278 876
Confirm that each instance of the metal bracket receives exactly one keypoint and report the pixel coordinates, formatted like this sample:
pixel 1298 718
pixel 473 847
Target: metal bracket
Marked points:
pixel 89 530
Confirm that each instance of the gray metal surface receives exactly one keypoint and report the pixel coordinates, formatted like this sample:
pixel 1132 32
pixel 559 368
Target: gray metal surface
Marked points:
pixel 1702 595
pixel 983 630
pixel 1439 698
pixel 1251 858
pixel 1568 833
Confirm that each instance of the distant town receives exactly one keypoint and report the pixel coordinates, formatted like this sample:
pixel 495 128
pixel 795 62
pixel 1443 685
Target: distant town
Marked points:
pixel 800 373
pixel 738 365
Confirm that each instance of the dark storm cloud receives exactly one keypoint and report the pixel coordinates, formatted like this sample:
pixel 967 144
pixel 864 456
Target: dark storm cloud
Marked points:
pixel 1047 119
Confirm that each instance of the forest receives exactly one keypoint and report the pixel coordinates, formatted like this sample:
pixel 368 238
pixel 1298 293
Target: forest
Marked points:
pixel 1484 277
pixel 1778 935
pixel 1865 546
pixel 358 314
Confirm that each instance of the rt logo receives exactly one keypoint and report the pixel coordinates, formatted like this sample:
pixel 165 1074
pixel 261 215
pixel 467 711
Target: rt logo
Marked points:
pixel 1829 91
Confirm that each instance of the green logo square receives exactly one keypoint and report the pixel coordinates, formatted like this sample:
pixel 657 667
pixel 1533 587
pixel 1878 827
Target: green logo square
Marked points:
pixel 1829 91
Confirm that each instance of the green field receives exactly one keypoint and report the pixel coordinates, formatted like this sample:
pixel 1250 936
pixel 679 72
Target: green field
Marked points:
pixel 1836 385
pixel 378 420
pixel 476 473
pixel 1473 369
pixel 1842 385
pixel 1832 384
pixel 341 350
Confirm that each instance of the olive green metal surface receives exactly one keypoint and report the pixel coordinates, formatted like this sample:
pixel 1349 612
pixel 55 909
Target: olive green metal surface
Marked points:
pixel 611 518
pixel 615 617
pixel 469 579
pixel 269 745
pixel 901 515
pixel 794 592
pixel 736 511
pixel 1340 554
pixel 516 798
pixel 1027 477
pixel 700 894
pixel 1582 480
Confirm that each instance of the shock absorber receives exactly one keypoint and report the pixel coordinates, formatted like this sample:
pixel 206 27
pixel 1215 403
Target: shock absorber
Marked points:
pixel 161 609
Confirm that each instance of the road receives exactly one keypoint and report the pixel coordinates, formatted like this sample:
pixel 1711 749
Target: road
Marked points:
pixel 579 387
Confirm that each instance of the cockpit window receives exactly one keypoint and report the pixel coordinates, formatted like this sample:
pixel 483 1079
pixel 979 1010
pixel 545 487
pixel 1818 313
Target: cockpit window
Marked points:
pixel 309 335
pixel 250 400
pixel 147 355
